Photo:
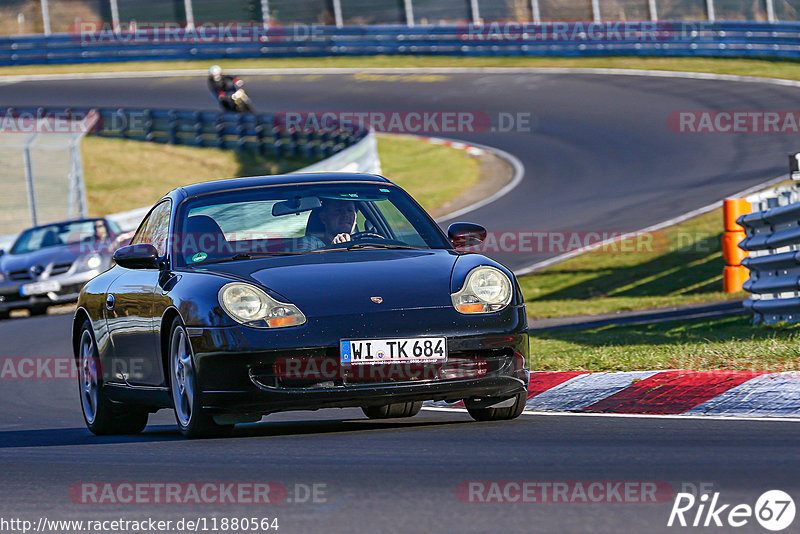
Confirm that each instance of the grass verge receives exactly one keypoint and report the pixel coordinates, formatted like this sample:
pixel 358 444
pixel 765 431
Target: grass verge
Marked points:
pixel 744 67
pixel 122 174
pixel 681 264
pixel 730 343
pixel 433 174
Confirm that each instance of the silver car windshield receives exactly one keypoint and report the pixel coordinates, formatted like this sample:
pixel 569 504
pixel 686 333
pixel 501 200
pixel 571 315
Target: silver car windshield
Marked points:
pixel 57 235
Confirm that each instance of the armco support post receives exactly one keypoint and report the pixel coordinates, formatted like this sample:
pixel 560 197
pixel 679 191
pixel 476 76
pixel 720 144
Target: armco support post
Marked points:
pixel 734 274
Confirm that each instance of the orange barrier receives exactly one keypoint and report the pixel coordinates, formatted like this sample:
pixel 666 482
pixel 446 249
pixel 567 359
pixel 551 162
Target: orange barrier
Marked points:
pixel 732 209
pixel 734 274
pixel 731 252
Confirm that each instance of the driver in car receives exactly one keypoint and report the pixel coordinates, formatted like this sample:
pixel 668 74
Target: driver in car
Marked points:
pixel 338 221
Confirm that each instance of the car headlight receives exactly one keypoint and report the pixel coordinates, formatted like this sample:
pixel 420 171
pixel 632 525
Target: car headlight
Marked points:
pixel 486 290
pixel 90 262
pixel 251 306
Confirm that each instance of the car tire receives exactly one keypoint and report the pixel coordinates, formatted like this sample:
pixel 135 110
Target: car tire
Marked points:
pixel 102 416
pixel 37 310
pixel 4 315
pixel 393 411
pixel 193 420
pixel 498 414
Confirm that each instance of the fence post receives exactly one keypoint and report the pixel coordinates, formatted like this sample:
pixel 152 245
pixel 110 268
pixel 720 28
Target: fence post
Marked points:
pixel 596 11
pixel 76 176
pixel 26 158
pixel 187 5
pixel 265 17
pixel 409 4
pixel 771 11
pixel 653 10
pixel 46 16
pixel 710 11
pixel 476 11
pixel 537 15
pixel 337 13
pixel 115 15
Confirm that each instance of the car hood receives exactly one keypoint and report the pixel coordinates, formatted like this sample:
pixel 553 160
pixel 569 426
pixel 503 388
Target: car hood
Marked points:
pixel 43 258
pixel 337 283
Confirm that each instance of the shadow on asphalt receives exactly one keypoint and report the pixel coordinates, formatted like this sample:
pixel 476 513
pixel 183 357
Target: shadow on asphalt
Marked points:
pixel 60 437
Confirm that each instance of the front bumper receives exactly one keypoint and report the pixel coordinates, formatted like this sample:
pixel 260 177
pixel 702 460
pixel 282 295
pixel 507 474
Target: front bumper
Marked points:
pixel 71 285
pixel 244 370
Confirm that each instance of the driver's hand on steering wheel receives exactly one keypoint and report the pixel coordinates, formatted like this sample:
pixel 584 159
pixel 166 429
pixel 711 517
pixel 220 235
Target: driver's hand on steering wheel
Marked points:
pixel 341 238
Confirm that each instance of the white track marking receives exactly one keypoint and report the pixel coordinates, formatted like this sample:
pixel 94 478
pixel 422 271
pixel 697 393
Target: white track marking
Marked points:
pixel 731 418
pixel 670 222
pixel 300 71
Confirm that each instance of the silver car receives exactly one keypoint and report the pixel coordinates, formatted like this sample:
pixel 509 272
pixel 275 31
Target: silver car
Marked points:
pixel 49 264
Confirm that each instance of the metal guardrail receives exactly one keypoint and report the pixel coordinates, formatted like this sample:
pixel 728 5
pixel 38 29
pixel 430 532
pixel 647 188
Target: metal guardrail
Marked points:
pixel 773 241
pixel 679 38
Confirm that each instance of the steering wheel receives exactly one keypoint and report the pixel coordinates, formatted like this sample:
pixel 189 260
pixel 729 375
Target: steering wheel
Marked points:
pixel 361 236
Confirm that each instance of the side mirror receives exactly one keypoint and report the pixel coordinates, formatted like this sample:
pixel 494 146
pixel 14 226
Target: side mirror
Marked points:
pixel 143 256
pixel 463 235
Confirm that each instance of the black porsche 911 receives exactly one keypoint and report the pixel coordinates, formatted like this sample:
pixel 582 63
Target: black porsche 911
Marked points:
pixel 239 298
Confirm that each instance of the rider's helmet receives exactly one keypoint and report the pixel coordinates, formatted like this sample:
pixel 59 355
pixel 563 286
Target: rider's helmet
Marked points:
pixel 215 71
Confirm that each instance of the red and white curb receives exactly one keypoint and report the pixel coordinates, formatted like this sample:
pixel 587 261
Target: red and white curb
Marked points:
pixel 676 392
pixel 458 145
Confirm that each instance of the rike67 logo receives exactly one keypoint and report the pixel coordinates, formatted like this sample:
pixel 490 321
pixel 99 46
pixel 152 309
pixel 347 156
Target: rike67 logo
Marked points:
pixel 774 510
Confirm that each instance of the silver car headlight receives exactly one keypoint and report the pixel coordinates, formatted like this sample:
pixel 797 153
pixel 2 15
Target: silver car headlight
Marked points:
pixel 90 262
pixel 251 306
pixel 486 290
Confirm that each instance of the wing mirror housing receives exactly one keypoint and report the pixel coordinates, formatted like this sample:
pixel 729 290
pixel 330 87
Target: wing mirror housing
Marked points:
pixel 141 256
pixel 463 235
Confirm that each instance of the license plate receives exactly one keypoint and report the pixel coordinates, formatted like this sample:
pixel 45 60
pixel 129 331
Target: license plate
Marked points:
pixel 39 288
pixel 374 351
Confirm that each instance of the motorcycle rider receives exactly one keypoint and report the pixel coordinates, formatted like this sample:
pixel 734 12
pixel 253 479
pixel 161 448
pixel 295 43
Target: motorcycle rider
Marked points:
pixel 227 89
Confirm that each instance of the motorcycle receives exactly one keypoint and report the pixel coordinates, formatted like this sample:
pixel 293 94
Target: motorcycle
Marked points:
pixel 236 101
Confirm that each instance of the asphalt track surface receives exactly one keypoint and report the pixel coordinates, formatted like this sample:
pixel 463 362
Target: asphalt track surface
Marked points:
pixel 400 476
pixel 599 154
pixel 600 157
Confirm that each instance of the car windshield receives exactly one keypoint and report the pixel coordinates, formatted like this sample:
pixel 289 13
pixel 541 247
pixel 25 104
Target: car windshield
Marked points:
pixel 302 219
pixel 56 235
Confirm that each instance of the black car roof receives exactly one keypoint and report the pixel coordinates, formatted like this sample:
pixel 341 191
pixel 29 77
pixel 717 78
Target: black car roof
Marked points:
pixel 279 179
